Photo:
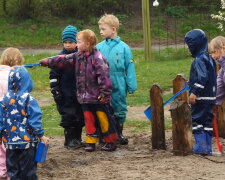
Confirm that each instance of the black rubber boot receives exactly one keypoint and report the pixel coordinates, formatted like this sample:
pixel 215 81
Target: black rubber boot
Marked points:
pixel 122 139
pixel 73 138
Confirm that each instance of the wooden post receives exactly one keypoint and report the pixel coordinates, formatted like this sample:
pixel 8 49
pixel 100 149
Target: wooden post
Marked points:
pixel 178 84
pixel 146 29
pixel 182 128
pixel 157 113
pixel 221 119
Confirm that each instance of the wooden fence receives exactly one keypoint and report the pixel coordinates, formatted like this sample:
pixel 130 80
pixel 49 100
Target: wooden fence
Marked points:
pixel 181 119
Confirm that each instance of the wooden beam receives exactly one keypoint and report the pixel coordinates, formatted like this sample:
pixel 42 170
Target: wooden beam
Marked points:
pixel 146 29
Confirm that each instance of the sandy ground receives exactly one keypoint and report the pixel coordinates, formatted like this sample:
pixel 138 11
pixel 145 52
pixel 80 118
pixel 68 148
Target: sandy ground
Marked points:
pixel 136 160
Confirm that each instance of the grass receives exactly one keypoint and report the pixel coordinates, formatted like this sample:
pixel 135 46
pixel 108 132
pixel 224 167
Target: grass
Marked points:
pixel 162 70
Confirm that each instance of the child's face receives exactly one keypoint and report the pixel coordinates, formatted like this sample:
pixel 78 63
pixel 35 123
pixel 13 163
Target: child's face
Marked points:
pixel 69 45
pixel 217 53
pixel 82 45
pixel 107 31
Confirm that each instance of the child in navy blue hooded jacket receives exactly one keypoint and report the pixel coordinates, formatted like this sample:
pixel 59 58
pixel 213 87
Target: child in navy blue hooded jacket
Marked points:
pixel 63 88
pixel 202 91
pixel 20 125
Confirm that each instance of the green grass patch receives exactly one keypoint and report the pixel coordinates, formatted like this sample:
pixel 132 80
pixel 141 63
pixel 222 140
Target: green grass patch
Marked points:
pixel 143 126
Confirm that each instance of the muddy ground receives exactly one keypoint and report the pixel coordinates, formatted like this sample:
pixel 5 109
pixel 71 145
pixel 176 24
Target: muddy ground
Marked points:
pixel 133 161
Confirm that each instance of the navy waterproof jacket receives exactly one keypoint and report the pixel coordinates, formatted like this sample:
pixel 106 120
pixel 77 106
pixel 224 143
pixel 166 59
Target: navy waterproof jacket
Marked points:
pixel 203 68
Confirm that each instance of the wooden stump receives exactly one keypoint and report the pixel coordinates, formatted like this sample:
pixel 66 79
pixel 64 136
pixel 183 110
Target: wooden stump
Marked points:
pixel 221 119
pixel 178 84
pixel 182 128
pixel 157 113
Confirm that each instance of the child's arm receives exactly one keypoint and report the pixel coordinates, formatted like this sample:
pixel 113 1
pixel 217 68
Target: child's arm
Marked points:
pixel 130 71
pixel 59 61
pixel 202 76
pixel 34 116
pixel 104 82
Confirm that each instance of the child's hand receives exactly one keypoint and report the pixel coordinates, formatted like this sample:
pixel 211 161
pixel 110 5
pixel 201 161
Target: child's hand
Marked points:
pixel 102 99
pixel 44 62
pixel 45 140
pixel 192 99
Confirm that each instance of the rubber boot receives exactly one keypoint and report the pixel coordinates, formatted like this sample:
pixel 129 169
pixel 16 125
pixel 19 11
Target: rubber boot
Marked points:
pixel 122 139
pixel 109 147
pixel 78 140
pixel 200 146
pixel 90 147
pixel 73 138
pixel 209 143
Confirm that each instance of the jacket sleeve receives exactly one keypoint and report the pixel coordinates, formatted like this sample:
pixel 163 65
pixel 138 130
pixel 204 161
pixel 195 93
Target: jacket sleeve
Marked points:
pixel 1 121
pixel 60 61
pixel 202 76
pixel 34 117
pixel 130 78
pixel 102 72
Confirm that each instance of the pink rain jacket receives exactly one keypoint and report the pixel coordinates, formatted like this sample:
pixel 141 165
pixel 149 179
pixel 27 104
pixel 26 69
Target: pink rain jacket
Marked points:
pixel 4 74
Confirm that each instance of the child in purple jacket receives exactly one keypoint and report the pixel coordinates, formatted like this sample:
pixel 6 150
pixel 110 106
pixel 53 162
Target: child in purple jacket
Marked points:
pixel 217 49
pixel 94 89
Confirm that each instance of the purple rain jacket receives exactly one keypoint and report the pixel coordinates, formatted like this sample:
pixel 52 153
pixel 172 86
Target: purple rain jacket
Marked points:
pixel 92 74
pixel 220 93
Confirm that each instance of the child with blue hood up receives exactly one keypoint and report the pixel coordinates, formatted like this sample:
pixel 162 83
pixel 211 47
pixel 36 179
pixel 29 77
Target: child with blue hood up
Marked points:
pixel 202 91
pixel 20 125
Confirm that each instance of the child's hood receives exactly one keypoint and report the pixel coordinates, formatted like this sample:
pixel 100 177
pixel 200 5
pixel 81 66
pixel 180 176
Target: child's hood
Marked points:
pixel 197 42
pixel 20 81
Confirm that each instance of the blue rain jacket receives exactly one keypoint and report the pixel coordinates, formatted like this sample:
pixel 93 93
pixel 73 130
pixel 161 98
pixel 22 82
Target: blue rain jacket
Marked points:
pixel 203 68
pixel 122 72
pixel 20 120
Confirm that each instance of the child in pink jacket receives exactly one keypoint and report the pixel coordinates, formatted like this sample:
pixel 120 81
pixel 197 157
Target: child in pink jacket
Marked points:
pixel 10 57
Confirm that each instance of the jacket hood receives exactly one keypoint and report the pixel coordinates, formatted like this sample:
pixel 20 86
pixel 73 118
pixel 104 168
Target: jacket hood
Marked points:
pixel 197 42
pixel 20 81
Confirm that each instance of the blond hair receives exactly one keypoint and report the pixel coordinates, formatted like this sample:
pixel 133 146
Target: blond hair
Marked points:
pixel 89 37
pixel 217 43
pixel 110 20
pixel 11 57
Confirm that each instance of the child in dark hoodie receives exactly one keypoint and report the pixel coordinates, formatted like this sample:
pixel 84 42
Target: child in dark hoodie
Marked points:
pixel 202 91
pixel 20 125
pixel 63 88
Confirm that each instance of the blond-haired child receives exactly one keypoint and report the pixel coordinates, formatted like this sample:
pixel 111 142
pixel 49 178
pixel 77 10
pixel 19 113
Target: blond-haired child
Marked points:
pixel 20 120
pixel 94 88
pixel 10 57
pixel 217 50
pixel 121 67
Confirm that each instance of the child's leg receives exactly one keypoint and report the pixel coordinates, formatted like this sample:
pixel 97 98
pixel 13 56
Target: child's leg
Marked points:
pixel 119 125
pixel 200 113
pixel 107 124
pixel 3 172
pixel 208 128
pixel 91 126
pixel 20 163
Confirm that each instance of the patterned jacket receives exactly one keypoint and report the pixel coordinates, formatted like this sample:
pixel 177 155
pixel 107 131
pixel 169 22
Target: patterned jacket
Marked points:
pixel 92 74
pixel 20 121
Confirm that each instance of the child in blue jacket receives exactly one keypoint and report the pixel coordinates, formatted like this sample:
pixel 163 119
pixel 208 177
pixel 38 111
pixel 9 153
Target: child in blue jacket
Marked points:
pixel 63 88
pixel 20 125
pixel 202 91
pixel 121 66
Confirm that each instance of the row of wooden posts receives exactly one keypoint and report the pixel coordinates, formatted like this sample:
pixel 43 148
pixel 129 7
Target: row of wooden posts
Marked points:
pixel 181 119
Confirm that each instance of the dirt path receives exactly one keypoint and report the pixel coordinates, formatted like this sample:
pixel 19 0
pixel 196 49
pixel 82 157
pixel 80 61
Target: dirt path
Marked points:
pixel 133 161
